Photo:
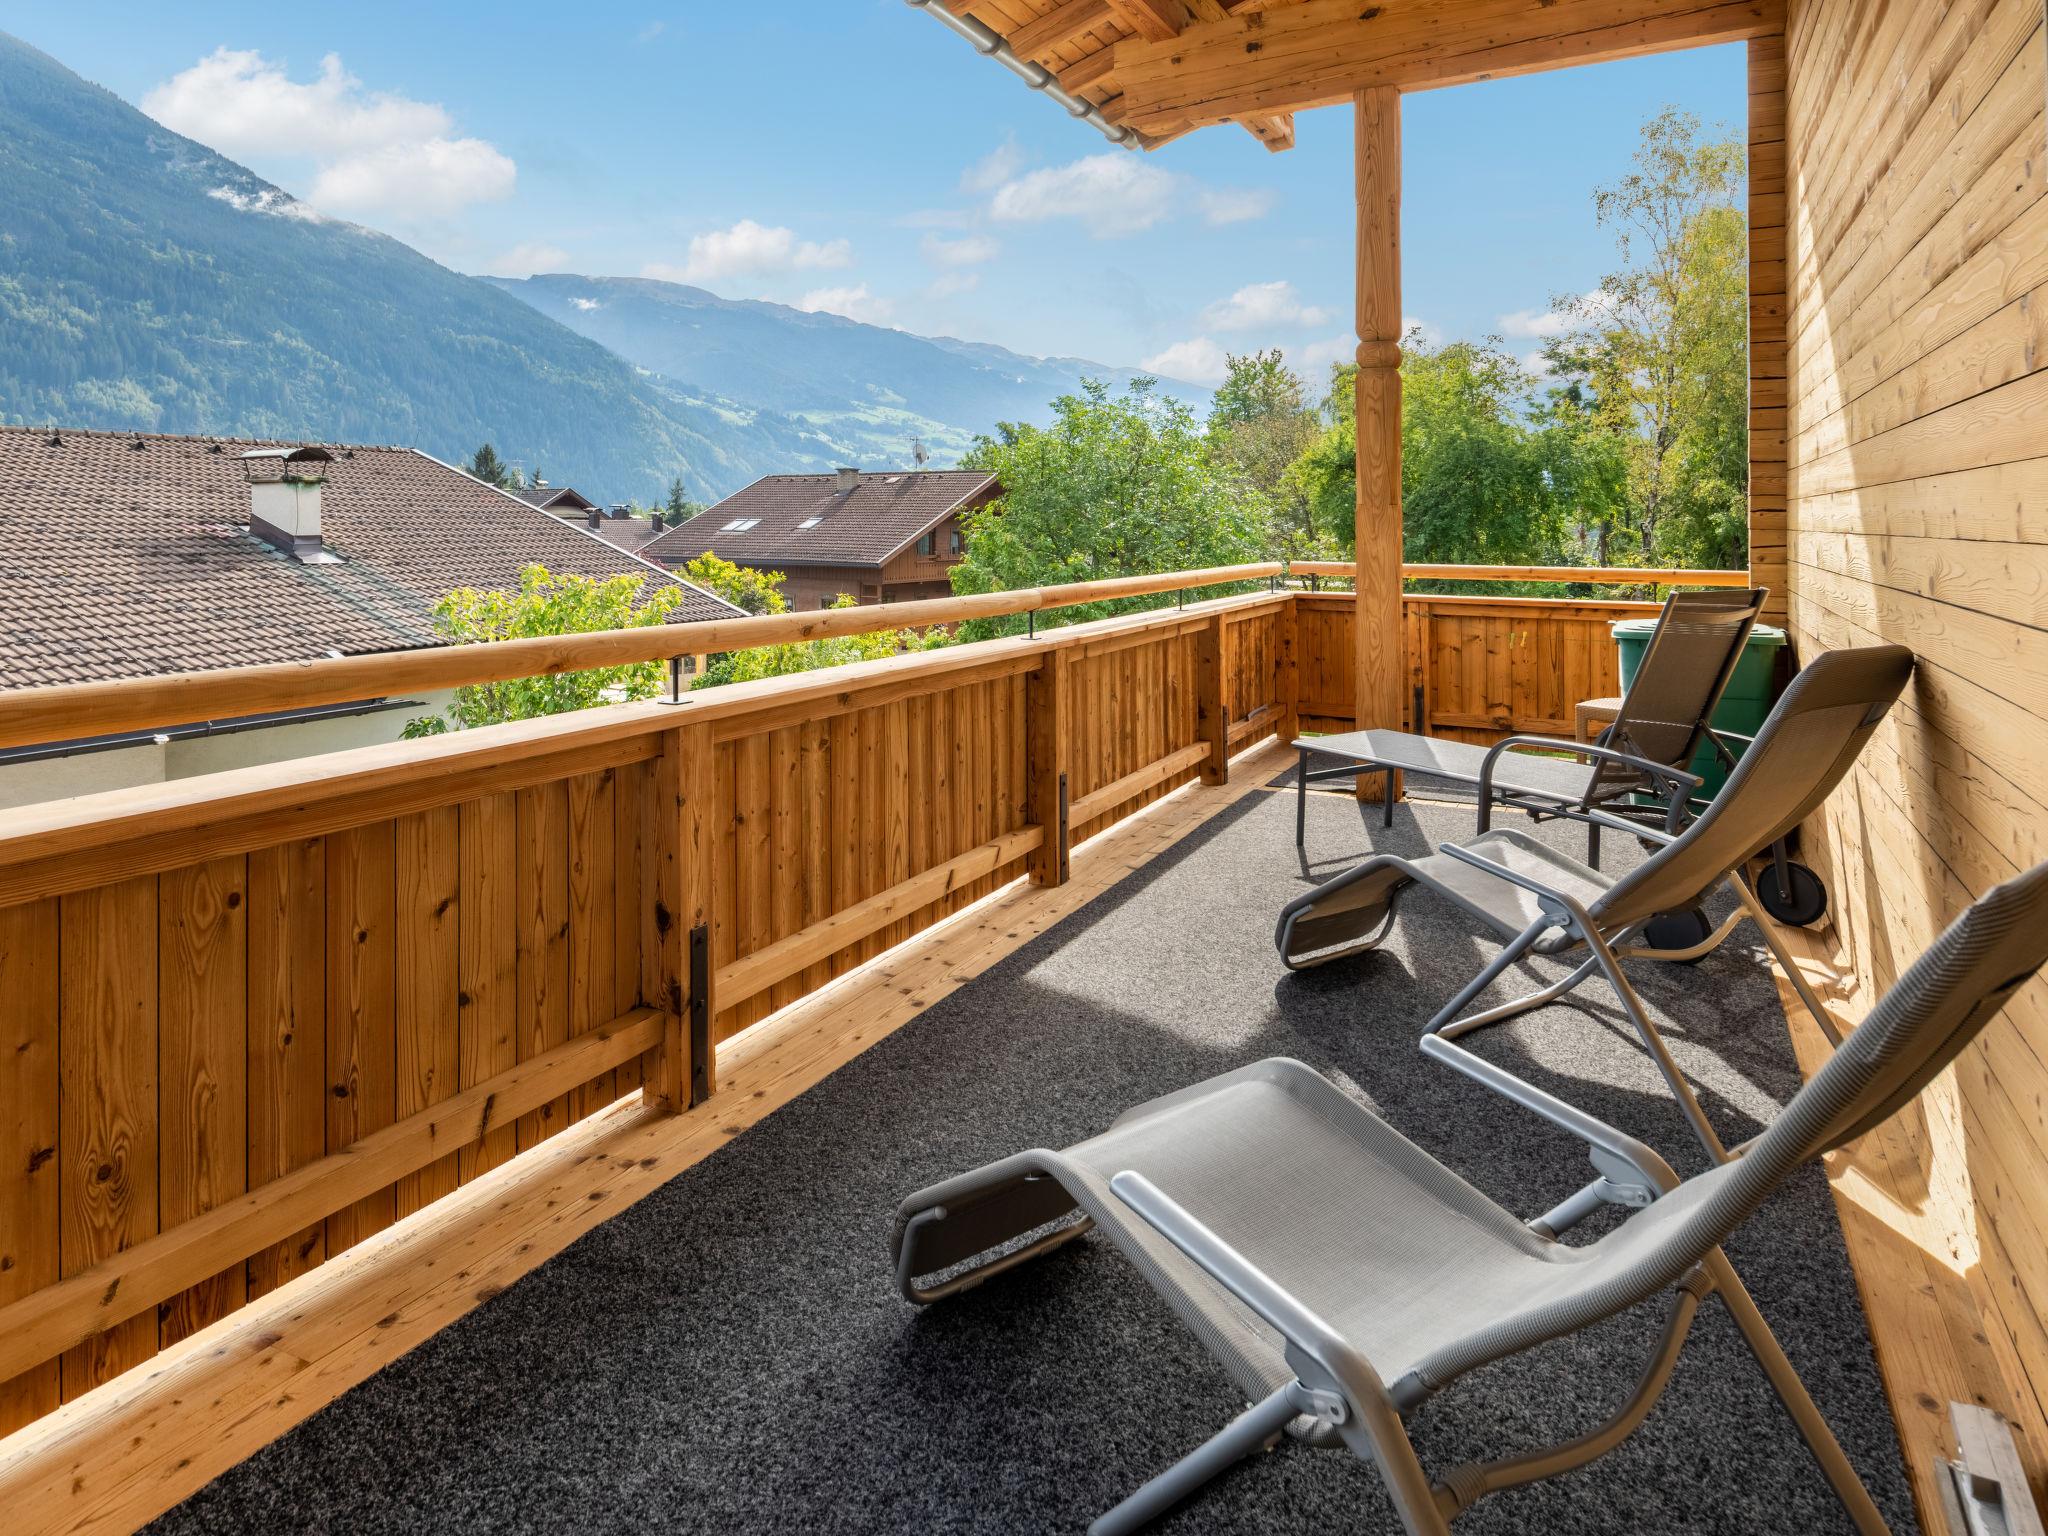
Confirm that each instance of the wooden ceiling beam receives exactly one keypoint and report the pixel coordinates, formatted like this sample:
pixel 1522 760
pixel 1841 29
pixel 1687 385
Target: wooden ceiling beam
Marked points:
pixel 1154 20
pixel 1316 53
pixel 1276 132
pixel 1058 27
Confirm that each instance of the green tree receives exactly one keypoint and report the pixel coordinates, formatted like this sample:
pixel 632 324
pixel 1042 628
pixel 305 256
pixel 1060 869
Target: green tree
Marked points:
pixel 1114 486
pixel 809 655
pixel 489 468
pixel 1660 346
pixel 679 505
pixel 1476 487
pixel 755 591
pixel 547 604
pixel 1260 423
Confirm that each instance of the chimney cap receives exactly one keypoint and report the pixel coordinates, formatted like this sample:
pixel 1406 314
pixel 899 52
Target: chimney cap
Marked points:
pixel 293 460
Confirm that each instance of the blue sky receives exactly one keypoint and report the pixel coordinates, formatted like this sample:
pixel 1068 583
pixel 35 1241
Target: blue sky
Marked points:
pixel 854 155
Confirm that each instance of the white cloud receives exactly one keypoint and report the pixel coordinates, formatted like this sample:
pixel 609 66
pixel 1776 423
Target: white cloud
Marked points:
pixel 993 168
pixel 1263 306
pixel 271 201
pixel 1544 324
pixel 1118 194
pixel 855 303
pixel 1230 206
pixel 525 260
pixel 1432 333
pixel 1113 194
pixel 373 151
pixel 586 305
pixel 650 32
pixel 949 284
pixel 748 247
pixel 1313 360
pixel 967 251
pixel 1198 361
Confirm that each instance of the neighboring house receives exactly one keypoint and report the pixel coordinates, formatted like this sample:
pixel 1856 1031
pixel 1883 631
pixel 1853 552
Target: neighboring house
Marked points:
pixel 126 556
pixel 558 499
pixel 620 529
pixel 880 537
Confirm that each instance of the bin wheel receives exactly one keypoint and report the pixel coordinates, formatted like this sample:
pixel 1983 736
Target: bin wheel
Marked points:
pixel 1805 905
pixel 1680 929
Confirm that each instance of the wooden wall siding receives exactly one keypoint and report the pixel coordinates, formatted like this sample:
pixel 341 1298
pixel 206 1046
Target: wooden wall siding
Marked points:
pixel 1917 246
pixel 1486 666
pixel 173 1040
pixel 1767 306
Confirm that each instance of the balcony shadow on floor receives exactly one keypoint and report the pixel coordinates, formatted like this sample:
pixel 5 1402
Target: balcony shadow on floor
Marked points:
pixel 730 1354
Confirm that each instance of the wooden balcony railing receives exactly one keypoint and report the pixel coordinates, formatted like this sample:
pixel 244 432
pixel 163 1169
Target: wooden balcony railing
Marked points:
pixel 255 1017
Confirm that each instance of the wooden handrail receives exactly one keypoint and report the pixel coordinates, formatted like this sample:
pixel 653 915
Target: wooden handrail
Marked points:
pixel 72 711
pixel 1589 575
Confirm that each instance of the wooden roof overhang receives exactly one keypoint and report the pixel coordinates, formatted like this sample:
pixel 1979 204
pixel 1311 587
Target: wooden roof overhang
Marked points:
pixel 1166 67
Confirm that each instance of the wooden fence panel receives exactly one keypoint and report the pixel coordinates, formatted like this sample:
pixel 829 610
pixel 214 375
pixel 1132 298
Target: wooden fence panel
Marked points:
pixel 29 1164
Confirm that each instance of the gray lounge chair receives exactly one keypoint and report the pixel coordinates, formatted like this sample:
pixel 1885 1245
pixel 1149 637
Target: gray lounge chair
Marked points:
pixel 1544 900
pixel 1647 751
pixel 1343 1277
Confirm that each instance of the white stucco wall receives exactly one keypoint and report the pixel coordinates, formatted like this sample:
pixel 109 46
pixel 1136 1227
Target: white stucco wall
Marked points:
pixel 86 773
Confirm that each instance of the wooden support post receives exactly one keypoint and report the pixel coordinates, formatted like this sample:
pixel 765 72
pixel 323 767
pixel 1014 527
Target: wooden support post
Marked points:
pixel 1212 715
pixel 1290 670
pixel 1381 665
pixel 1047 711
pixel 676 884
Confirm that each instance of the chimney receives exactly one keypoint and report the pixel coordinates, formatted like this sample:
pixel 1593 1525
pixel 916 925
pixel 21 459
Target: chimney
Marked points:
pixel 657 521
pixel 848 479
pixel 284 510
pixel 594 517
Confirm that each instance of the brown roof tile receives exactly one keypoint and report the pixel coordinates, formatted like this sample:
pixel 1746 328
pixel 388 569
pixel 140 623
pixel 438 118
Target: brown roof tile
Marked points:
pixel 125 555
pixel 861 527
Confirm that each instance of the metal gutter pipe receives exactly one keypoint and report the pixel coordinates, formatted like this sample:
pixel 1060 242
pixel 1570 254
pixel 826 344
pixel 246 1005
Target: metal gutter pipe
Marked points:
pixel 991 45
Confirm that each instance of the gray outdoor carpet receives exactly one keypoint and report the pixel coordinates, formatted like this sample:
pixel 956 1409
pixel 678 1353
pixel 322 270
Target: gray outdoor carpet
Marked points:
pixel 730 1354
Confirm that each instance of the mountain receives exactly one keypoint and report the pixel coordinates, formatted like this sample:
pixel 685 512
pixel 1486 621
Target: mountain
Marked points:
pixel 868 387
pixel 147 282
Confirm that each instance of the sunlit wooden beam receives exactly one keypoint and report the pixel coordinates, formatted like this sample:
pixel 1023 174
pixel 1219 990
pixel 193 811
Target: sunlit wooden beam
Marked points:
pixel 1320 52
pixel 1155 20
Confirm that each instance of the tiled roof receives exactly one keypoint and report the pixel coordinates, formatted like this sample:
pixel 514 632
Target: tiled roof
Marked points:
pixel 126 556
pixel 632 534
pixel 554 498
pixel 860 527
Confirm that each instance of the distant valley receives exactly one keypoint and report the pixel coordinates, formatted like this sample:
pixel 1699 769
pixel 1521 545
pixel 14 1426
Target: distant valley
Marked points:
pixel 149 283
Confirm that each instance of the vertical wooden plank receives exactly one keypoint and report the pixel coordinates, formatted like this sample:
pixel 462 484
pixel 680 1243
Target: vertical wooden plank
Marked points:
pixel 287 1038
pixel 487 962
pixel 107 1120
pixel 817 835
pixel 543 940
pixel 628 828
pixel 29 1165
pixel 202 1066
pixel 683 873
pixel 1377 599
pixel 592 849
pixel 896 804
pixel 1768 369
pixel 428 983
pixel 1045 733
pixel 361 1027
pixel 785 814
pixel 1212 720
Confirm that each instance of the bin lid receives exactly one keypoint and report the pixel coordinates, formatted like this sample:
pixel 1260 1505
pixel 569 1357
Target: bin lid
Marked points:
pixel 1768 636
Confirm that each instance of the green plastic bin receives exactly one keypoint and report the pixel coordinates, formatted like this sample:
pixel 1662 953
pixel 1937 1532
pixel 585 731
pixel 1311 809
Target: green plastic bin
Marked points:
pixel 1748 699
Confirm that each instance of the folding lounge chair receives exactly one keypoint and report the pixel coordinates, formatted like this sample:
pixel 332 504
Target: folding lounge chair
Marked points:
pixel 1648 749
pixel 1536 895
pixel 1343 1277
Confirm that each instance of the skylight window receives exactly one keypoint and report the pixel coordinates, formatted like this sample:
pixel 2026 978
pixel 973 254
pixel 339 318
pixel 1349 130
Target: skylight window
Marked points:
pixel 739 525
pixel 810 522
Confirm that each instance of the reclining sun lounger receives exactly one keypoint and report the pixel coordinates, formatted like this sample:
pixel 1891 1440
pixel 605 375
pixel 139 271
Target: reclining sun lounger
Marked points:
pixel 1647 751
pixel 1540 897
pixel 1343 1277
